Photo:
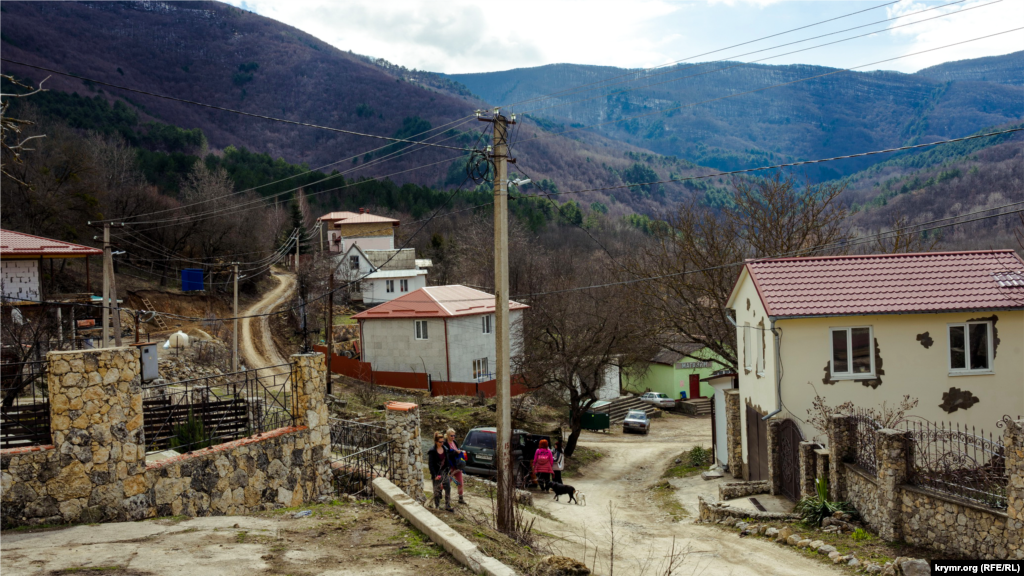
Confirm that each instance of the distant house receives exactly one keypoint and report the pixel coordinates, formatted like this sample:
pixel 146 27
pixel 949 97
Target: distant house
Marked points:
pixel 378 276
pixel 444 331
pixel 946 328
pixel 342 230
pixel 672 372
pixel 21 264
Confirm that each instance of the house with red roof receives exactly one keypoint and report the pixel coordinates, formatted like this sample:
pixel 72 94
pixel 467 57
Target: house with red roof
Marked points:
pixel 444 331
pixel 945 328
pixel 21 262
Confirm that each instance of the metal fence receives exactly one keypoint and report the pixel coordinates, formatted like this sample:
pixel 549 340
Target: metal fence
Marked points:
pixel 360 452
pixel 959 460
pixel 864 429
pixel 201 412
pixel 24 404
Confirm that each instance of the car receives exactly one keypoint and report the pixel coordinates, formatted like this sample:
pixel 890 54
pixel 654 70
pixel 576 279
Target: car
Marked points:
pixel 659 399
pixel 636 421
pixel 480 446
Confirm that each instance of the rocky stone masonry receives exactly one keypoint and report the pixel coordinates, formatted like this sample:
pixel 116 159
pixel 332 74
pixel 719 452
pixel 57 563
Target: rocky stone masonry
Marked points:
pixel 862 490
pixel 808 467
pixel 95 471
pixel 1013 439
pixel 731 490
pixel 841 449
pixel 402 421
pixel 953 527
pixel 733 438
pixel 891 450
pixel 711 510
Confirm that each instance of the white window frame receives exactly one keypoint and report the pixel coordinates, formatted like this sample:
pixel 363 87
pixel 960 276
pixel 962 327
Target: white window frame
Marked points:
pixel 759 350
pixel 748 358
pixel 481 368
pixel 403 285
pixel 850 375
pixel 486 323
pixel 968 371
pixel 353 262
pixel 389 286
pixel 420 330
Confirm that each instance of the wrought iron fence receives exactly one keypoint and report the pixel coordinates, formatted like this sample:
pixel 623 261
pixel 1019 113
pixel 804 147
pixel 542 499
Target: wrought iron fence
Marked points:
pixel 864 429
pixel 360 452
pixel 959 460
pixel 24 404
pixel 201 412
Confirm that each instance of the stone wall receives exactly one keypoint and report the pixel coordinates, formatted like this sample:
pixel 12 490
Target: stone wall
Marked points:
pixel 808 467
pixel 917 515
pixel 95 471
pixel 733 432
pixel 731 490
pixel 402 421
pixel 710 510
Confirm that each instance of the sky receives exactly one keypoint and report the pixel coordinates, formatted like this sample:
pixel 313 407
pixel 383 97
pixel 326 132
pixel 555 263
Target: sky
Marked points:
pixel 462 36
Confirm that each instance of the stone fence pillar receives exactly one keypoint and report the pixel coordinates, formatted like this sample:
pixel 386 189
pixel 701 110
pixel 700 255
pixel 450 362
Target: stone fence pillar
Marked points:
pixel 774 457
pixel 893 452
pixel 403 425
pixel 734 432
pixel 808 468
pixel 1013 439
pixel 841 437
pixel 309 408
pixel 96 426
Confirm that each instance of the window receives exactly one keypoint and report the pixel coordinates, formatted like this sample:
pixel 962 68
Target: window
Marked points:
pixel 353 262
pixel 759 349
pixel 748 358
pixel 403 285
pixel 480 369
pixel 852 356
pixel 486 320
pixel 389 286
pixel 969 347
pixel 421 329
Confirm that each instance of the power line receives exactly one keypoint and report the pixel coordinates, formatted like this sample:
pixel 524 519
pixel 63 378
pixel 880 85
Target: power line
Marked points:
pixel 233 111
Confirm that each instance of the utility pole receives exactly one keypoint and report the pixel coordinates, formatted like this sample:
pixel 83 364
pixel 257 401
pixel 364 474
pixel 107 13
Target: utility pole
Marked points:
pixel 234 329
pixel 298 235
pixel 330 331
pixel 106 284
pixel 506 478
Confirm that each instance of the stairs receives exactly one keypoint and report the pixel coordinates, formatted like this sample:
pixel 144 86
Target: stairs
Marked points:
pixel 620 406
pixel 695 407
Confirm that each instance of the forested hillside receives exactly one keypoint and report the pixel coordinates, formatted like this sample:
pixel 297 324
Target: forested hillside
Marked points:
pixel 837 114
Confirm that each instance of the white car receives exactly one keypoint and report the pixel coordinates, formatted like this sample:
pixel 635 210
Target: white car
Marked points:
pixel 659 399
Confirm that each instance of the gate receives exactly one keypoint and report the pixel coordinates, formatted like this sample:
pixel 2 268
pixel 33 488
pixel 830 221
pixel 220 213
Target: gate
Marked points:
pixel 757 445
pixel 789 458
pixel 359 453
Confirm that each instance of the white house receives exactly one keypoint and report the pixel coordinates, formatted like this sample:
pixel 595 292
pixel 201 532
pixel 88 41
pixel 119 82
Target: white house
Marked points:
pixel 378 276
pixel 342 230
pixel 22 256
pixel 444 331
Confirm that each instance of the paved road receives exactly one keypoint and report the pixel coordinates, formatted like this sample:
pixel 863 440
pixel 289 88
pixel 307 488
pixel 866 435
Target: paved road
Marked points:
pixel 255 342
pixel 644 532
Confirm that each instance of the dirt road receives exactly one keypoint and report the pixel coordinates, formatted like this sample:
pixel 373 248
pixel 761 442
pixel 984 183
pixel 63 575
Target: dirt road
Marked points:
pixel 643 531
pixel 254 340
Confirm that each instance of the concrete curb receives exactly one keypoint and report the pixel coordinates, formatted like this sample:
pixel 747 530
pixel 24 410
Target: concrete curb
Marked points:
pixel 463 550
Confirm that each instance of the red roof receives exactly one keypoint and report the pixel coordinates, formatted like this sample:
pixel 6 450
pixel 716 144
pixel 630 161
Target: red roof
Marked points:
pixel 354 218
pixel 889 283
pixel 437 302
pixel 19 244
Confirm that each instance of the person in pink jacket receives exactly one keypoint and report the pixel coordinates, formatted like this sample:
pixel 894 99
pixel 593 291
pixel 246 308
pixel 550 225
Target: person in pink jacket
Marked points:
pixel 542 465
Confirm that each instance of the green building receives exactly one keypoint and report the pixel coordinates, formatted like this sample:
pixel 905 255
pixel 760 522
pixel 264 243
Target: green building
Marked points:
pixel 671 373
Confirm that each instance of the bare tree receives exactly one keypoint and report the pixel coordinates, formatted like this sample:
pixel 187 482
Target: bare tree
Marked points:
pixel 12 143
pixel 898 240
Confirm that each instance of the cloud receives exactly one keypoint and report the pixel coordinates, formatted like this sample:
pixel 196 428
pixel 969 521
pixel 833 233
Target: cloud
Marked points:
pixel 972 19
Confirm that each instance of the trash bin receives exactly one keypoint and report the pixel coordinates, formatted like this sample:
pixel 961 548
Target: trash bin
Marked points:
pixel 596 421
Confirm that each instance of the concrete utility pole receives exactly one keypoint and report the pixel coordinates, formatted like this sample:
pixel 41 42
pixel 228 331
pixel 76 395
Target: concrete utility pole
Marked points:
pixel 106 285
pixel 234 329
pixel 330 331
pixel 298 235
pixel 506 477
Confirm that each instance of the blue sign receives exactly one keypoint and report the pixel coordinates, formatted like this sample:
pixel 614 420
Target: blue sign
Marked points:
pixel 192 279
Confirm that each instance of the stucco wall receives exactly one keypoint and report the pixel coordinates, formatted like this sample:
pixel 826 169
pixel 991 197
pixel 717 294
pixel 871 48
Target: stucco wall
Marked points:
pixel 467 342
pixel 375 291
pixel 391 346
pixel 20 279
pixel 757 390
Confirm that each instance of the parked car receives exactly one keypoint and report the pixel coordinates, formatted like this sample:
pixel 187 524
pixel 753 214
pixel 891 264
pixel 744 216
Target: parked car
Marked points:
pixel 636 421
pixel 658 399
pixel 480 446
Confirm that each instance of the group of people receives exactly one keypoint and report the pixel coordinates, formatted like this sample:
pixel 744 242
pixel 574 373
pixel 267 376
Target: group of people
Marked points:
pixel 446 462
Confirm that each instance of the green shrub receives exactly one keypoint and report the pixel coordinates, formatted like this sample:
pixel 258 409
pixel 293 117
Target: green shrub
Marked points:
pixel 191 435
pixel 816 508
pixel 699 456
pixel 860 534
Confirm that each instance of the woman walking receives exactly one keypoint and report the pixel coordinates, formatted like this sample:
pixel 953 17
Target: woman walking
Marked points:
pixel 542 465
pixel 559 461
pixel 440 471
pixel 453 453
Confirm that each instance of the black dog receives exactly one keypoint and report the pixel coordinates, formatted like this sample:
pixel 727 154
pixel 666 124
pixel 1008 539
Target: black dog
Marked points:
pixel 561 489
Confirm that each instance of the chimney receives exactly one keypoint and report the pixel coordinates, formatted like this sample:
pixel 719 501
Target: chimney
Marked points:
pixel 362 210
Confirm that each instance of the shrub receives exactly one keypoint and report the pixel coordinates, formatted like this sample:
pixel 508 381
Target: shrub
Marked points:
pixel 191 435
pixel 817 507
pixel 860 534
pixel 699 456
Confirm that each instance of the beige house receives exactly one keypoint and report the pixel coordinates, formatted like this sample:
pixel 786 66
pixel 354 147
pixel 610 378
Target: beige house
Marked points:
pixel 944 328
pixel 342 230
